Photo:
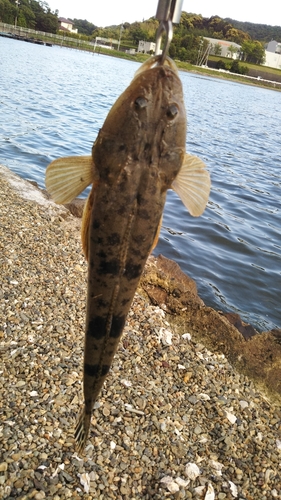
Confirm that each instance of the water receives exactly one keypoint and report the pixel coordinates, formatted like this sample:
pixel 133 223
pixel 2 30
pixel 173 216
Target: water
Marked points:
pixel 53 102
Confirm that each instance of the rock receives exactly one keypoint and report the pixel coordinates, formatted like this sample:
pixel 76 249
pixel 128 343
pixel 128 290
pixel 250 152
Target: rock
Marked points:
pixel 166 285
pixel 76 207
pixel 247 330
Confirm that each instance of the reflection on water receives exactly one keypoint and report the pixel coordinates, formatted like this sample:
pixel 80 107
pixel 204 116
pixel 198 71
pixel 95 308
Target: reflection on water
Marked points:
pixel 53 102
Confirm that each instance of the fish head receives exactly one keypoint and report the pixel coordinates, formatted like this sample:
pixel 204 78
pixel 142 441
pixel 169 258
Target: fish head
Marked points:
pixel 146 127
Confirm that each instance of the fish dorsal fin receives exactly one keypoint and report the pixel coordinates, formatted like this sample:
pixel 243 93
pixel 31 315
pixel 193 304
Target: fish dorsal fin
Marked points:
pixel 67 177
pixel 193 184
pixel 86 217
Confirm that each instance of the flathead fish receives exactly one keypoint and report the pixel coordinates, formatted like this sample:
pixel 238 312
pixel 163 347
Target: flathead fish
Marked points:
pixel 138 155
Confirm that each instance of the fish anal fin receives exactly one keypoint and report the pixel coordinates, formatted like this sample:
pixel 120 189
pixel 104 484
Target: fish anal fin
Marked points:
pixel 193 184
pixel 155 241
pixel 86 217
pixel 67 177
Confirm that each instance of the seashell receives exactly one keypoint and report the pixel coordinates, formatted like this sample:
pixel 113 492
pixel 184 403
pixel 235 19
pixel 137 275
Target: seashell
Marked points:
pixel 192 471
pixel 186 336
pixel 232 419
pixel 233 489
pixel 170 484
pixel 268 474
pixel 204 396
pixel 199 490
pixel 243 404
pixel 125 382
pixel 112 445
pixel 217 466
pixel 165 336
pixel 210 493
pixel 182 482
pixel 85 481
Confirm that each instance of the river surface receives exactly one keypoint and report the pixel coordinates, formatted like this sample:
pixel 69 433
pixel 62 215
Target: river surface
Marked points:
pixel 53 101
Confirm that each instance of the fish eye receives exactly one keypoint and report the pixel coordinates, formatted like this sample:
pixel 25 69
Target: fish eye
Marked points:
pixel 172 111
pixel 141 102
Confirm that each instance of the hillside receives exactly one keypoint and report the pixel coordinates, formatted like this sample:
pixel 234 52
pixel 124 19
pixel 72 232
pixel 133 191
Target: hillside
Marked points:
pixel 262 32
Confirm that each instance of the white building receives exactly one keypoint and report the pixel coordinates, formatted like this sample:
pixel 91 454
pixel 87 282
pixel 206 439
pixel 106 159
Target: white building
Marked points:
pixel 272 59
pixel 66 25
pixel 146 47
pixel 224 45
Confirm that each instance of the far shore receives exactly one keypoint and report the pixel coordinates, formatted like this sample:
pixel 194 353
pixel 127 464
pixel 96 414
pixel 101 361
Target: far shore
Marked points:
pixel 78 44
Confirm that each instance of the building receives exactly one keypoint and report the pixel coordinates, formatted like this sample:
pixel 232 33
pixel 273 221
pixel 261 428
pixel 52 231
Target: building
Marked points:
pixel 225 47
pixel 146 47
pixel 274 47
pixel 66 25
pixel 272 59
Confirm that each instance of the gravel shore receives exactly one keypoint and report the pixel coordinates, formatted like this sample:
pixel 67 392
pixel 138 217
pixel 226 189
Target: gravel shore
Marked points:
pixel 174 420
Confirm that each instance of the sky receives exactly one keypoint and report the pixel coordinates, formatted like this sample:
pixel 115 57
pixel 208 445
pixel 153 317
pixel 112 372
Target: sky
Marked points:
pixel 108 12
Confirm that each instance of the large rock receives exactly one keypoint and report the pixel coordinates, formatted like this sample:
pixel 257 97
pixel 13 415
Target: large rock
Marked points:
pixel 259 357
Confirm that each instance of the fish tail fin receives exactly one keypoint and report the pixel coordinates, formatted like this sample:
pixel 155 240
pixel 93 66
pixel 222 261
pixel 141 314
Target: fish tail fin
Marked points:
pixel 82 430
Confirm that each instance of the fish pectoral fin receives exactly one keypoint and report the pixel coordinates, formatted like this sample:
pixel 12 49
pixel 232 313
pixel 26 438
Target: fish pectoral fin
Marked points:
pixel 193 184
pixel 67 177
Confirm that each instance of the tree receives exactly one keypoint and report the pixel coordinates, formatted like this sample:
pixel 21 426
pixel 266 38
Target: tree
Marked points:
pixel 253 52
pixel 84 27
pixel 30 14
pixel 216 49
pixel 232 50
pixel 7 12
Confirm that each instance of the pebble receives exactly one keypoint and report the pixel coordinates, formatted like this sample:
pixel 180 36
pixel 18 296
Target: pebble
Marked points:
pixel 206 427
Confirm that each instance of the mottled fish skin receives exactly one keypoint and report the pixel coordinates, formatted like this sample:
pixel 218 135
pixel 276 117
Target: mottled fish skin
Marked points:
pixel 137 155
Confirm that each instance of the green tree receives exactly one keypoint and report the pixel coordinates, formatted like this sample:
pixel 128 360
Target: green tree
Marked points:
pixel 84 27
pixel 216 49
pixel 7 12
pixel 253 52
pixel 30 14
pixel 232 50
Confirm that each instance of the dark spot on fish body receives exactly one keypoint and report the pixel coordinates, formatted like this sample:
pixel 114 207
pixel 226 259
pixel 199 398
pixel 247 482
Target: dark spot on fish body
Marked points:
pixel 125 302
pixel 102 304
pixel 113 239
pixel 141 255
pixel 132 271
pixel 94 370
pixel 97 327
pixel 122 210
pixel 139 239
pixel 144 214
pixel 98 241
pixel 101 254
pixel 117 326
pixel 109 267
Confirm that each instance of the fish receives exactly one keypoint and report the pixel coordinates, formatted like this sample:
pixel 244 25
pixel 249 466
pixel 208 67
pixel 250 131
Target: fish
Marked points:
pixel 139 154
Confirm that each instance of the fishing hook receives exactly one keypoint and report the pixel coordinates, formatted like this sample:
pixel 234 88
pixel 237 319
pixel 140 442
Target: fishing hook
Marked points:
pixel 168 12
